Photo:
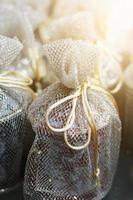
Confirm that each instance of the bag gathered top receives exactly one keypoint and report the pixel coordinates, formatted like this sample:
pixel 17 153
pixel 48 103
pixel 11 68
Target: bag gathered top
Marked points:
pixel 82 26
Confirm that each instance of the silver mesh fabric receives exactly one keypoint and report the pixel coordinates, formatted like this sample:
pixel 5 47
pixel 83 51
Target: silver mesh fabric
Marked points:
pixel 56 172
pixel 9 49
pixel 13 128
pixel 73 61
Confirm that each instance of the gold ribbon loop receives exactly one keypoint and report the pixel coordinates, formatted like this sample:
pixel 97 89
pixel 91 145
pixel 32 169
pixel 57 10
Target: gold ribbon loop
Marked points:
pixel 81 91
pixel 15 79
pixel 70 120
pixel 92 130
pixel 81 146
pixel 71 117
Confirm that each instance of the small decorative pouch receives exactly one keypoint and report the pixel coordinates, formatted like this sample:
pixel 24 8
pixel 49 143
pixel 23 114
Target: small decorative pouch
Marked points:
pixel 15 97
pixel 78 130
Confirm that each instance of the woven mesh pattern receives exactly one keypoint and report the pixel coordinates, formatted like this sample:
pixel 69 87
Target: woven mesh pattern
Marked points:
pixel 9 49
pixel 72 61
pixel 81 26
pixel 13 128
pixel 54 171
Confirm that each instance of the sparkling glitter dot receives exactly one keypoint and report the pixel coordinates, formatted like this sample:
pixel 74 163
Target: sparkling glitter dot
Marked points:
pixel 39 152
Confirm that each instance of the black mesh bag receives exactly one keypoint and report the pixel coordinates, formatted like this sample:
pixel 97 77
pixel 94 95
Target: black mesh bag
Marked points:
pixel 14 125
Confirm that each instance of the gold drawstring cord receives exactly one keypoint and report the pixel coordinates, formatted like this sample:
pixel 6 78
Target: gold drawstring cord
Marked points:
pixel 10 78
pixel 92 132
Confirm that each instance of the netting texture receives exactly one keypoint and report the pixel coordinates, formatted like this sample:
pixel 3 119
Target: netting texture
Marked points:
pixel 73 61
pixel 9 49
pixel 13 128
pixel 81 26
pixel 56 172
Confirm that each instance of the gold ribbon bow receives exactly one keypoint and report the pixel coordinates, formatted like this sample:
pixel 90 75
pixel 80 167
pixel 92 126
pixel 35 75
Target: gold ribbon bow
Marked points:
pixel 92 131
pixel 15 79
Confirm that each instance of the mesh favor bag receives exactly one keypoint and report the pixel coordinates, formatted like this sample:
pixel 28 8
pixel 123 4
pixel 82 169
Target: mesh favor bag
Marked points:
pixel 17 23
pixel 9 50
pixel 83 26
pixel 75 152
pixel 128 111
pixel 14 124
